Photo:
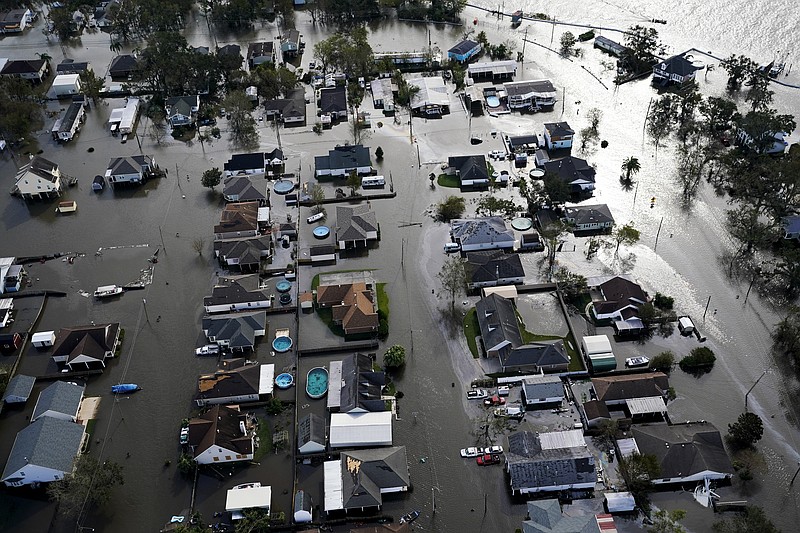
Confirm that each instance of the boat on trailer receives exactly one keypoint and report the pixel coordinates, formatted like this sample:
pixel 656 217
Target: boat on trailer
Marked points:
pixel 107 291
pixel 125 388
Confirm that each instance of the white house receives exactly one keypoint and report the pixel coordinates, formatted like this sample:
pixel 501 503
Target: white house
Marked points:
pixel 349 430
pixel 237 295
pixel 66 85
pixel 487 233
pixel 70 123
pixel 130 169
pixel 558 135
pixel 534 94
pixel 38 180
pixel 60 400
pixel 16 20
pixel 221 435
pixel 43 452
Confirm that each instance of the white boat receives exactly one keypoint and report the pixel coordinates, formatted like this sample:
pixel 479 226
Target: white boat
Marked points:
pixel 637 361
pixel 107 291
pixel 67 207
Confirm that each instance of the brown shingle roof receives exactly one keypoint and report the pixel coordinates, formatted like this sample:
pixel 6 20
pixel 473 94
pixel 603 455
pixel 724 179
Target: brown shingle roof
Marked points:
pixel 613 388
pixel 238 217
pixel 219 426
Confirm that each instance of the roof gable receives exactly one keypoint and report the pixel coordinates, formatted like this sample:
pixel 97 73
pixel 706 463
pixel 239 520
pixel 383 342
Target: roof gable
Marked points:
pixel 47 442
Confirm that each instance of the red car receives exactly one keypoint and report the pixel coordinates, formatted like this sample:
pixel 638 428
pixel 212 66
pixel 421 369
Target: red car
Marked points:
pixel 488 459
pixel 494 400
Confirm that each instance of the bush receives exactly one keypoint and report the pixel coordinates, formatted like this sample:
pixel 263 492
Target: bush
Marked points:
pixel 663 362
pixel 379 153
pixel 698 358
pixel 452 207
pixel 746 431
pixel 663 302
pixel 395 356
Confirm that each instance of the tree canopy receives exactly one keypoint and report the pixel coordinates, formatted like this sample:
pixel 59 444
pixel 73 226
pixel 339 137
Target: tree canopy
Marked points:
pixel 211 177
pixel 348 52
pixel 746 431
pixel 90 485
pixel 450 208
pixel 453 278
pixel 394 357
pixel 752 520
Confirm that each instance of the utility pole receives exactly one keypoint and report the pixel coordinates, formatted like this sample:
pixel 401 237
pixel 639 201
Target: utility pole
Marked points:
pixel 658 233
pixel 552 31
pixel 161 234
pixel 524 42
pixel 707 304
pixel 747 394
pixel 144 304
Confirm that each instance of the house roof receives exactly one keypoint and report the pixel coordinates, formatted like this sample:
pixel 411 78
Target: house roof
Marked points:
pixel 619 292
pixel 498 321
pixel 333 100
pixel 791 224
pixel 60 397
pixel 242 187
pixel 365 473
pixel 485 230
pixel 20 386
pixel 543 387
pixel 294 105
pixel 88 341
pixel 247 251
pixel 291 36
pixel 537 87
pixel 234 293
pixel 229 50
pixel 48 442
pixel 238 217
pixel 532 467
pixel 239 162
pixel 683 450
pixel 470 167
pixel 260 49
pixel 432 92
pixel 41 167
pixel 357 309
pixel 558 129
pixel 311 428
pixel 594 409
pixel 570 169
pixel 356 385
pixel 539 354
pixel 463 47
pixel 355 223
pixel 123 64
pixel 70 116
pixel 677 65
pixel 219 426
pixel 23 66
pixel 545 516
pixel 492 265
pixel 232 380
pixel 130 164
pixel 182 105
pixel 70 65
pixel 344 157
pixel 523 140
pixel 238 330
pixel 612 388
pixel 322 249
pixel 589 214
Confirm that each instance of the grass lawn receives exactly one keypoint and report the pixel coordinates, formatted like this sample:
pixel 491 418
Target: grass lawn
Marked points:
pixel 445 180
pixel 472 330
pixel 264 438
pixel 383 300
pixel 575 361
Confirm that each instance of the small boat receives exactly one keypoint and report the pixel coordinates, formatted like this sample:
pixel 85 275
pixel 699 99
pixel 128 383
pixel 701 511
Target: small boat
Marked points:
pixel 410 517
pixel 67 207
pixel 125 388
pixel 637 361
pixel 106 291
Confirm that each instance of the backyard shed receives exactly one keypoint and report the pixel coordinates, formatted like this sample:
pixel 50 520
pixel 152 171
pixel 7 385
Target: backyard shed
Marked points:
pixel 66 85
pixel 43 339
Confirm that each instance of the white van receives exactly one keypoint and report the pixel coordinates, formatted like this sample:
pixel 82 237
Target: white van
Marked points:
pixel 451 247
pixel 314 218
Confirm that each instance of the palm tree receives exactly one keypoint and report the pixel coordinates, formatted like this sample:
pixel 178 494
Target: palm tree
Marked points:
pixel 630 166
pixel 115 47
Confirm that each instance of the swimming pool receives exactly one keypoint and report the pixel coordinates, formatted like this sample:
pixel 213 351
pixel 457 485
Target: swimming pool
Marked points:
pixel 317 382
pixel 283 286
pixel 492 101
pixel 284 381
pixel 282 344
pixel 321 232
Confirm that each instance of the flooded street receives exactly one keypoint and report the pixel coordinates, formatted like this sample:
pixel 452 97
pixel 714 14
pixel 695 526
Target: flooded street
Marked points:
pixel 434 419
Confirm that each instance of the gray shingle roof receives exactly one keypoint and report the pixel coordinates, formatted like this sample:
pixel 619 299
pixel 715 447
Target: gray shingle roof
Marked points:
pixel 470 167
pixel 61 397
pixel 234 293
pixel 311 428
pixel 238 329
pixel 481 231
pixel 47 442
pixel 683 450
pixel 354 223
pixel 242 187
pixel 361 386
pixel 498 321
pixel 20 386
pixel 543 387
pixel 240 162
pixel 333 99
pixel 589 214
pixel 131 164
pixel 532 467
pixel 539 354
pixel 491 265
pixel 571 169
pixel 558 129
pixel 366 472
pixel 344 157
pixel 546 517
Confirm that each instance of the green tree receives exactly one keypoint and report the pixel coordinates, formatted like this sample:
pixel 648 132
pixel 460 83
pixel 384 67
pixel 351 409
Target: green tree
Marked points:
pixel 594 116
pixel 450 208
pixel 642 42
pixel 630 167
pixel 571 285
pixel 699 359
pixel 317 194
pixel 606 435
pixel 394 357
pixel 533 192
pixel 91 84
pixel 786 334
pixel 254 521
pixel 639 470
pixel 752 520
pixel 354 182
pixel 211 177
pixel 379 153
pixel 491 206
pixel 90 485
pixel 758 93
pixel 761 127
pixel 568 41
pixel 20 108
pixel 453 278
pixel 556 189
pixel 241 121
pixel 746 431
pixel 346 52
pixel 661 119
pixel 626 234
pixel 663 362
pixel 667 522
pixel 739 69
pixel 158 125
pixel 551 236
pixel 719 114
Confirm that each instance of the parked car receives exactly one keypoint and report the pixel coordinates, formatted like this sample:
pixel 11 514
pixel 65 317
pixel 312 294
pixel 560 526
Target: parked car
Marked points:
pixel 208 349
pixel 477 394
pixel 497 154
pixel 470 452
pixel 503 390
pixel 494 400
pixel 494 450
pixel 184 435
pixel 488 459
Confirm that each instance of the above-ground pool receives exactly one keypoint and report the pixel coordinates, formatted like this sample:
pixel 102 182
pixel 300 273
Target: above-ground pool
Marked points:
pixel 321 232
pixel 283 286
pixel 282 344
pixel 537 173
pixel 522 224
pixel 284 381
pixel 285 299
pixel 492 101
pixel 283 187
pixel 317 382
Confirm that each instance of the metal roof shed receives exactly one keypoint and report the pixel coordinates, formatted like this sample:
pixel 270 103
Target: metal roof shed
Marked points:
pixel 41 339
pixel 627 447
pixel 333 490
pixel 506 291
pixel 603 362
pixel 620 502
pixel 362 429
pixel 266 379
pixel 645 406
pixel 556 440
pixel 249 496
pixel 595 344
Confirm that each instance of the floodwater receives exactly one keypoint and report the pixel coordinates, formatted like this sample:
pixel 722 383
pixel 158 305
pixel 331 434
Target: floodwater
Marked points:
pixel 434 420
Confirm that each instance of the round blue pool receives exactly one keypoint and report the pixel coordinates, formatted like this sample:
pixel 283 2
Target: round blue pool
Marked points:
pixel 522 224
pixel 284 381
pixel 282 344
pixel 321 232
pixel 492 101
pixel 317 382
pixel 283 187
pixel 283 286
